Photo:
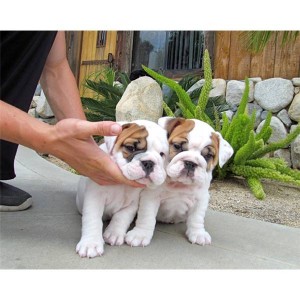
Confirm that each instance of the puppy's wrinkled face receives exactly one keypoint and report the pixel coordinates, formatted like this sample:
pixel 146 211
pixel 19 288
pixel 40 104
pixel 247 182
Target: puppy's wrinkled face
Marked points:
pixel 194 150
pixel 132 140
pixel 140 151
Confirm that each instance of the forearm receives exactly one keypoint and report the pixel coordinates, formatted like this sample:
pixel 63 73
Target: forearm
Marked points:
pixel 18 127
pixel 60 88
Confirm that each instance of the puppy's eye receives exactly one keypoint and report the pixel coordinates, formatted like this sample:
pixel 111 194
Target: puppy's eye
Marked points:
pixel 161 154
pixel 208 156
pixel 177 146
pixel 129 148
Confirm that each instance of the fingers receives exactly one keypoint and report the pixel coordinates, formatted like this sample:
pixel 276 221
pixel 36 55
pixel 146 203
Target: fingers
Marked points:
pixel 105 128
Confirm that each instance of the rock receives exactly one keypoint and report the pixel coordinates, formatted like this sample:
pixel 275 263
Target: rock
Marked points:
pixel 34 101
pixel 279 131
pixel 31 112
pixel 142 99
pixel 43 108
pixel 284 117
pixel 235 90
pixel 274 94
pixel 254 106
pixel 195 86
pixel 294 110
pixel 285 154
pixel 218 87
pixel 297 90
pixel 263 115
pixel 38 90
pixel 255 79
pixel 229 114
pixel 295 150
pixel 296 81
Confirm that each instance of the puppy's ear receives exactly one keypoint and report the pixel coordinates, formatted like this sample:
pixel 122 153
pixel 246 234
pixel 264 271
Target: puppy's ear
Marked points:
pixel 170 123
pixel 225 150
pixel 110 142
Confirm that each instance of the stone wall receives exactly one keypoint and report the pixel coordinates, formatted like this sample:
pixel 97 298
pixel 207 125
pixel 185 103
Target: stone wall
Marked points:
pixel 278 95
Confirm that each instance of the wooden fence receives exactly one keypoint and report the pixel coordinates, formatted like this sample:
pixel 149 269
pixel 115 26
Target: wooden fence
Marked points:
pixel 232 61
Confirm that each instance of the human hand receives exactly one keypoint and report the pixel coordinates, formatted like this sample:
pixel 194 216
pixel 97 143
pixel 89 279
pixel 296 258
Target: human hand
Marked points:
pixel 71 141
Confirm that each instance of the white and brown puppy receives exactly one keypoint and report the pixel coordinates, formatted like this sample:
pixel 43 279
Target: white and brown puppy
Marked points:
pixel 140 151
pixel 194 150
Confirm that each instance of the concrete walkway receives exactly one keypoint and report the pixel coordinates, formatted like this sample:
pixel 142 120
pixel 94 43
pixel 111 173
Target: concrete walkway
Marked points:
pixel 45 236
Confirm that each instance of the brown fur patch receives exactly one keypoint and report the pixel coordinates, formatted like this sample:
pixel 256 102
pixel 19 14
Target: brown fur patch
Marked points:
pixel 212 150
pixel 178 130
pixel 131 140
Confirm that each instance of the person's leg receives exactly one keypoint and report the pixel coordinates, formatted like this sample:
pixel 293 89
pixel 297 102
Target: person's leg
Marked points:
pixel 11 198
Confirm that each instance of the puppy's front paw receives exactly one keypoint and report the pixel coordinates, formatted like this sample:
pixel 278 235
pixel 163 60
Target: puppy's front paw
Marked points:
pixel 138 237
pixel 90 247
pixel 114 237
pixel 200 237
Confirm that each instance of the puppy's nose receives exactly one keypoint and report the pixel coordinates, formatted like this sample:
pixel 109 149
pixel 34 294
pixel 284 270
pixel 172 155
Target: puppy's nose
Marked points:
pixel 189 165
pixel 147 166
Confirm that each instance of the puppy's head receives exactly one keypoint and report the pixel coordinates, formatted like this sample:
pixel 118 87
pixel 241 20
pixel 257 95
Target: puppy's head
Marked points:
pixel 140 151
pixel 194 150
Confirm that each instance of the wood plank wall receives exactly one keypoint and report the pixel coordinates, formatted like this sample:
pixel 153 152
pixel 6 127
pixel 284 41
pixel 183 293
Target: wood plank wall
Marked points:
pixel 232 61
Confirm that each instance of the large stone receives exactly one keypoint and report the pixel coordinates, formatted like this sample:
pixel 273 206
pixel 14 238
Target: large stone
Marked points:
pixel 43 108
pixel 255 79
pixel 218 87
pixel 284 154
pixel 142 99
pixel 258 110
pixel 284 117
pixel 274 94
pixel 278 130
pixel 295 150
pixel 296 81
pixel 294 110
pixel 235 90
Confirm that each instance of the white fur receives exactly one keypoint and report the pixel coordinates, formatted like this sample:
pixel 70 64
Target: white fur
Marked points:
pixel 181 198
pixel 119 203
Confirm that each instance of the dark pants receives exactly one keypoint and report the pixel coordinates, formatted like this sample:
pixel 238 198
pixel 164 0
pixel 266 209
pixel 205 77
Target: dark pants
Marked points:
pixel 8 150
pixel 22 58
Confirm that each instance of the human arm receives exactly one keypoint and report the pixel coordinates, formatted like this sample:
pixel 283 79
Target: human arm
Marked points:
pixel 58 83
pixel 69 140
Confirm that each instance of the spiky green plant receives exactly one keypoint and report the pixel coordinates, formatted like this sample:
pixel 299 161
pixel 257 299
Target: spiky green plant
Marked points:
pixel 198 104
pixel 256 41
pixel 250 148
pixel 249 159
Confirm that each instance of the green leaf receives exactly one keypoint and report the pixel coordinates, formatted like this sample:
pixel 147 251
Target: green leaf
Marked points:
pixel 256 188
pixel 184 98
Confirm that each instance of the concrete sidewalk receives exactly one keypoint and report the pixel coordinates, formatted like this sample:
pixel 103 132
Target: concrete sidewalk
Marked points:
pixel 45 236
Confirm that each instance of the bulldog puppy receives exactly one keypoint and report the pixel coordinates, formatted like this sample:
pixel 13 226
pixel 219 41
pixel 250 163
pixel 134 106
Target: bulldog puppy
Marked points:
pixel 140 151
pixel 194 151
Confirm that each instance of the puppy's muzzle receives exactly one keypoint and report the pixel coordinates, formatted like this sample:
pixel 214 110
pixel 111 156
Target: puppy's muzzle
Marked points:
pixel 148 166
pixel 189 166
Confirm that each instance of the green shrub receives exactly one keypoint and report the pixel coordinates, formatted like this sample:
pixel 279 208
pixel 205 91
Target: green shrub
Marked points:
pixel 107 94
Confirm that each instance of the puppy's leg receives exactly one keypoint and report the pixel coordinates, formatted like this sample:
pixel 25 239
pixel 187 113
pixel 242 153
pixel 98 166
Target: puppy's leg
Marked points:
pixel 91 242
pixel 142 233
pixel 195 222
pixel 115 232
